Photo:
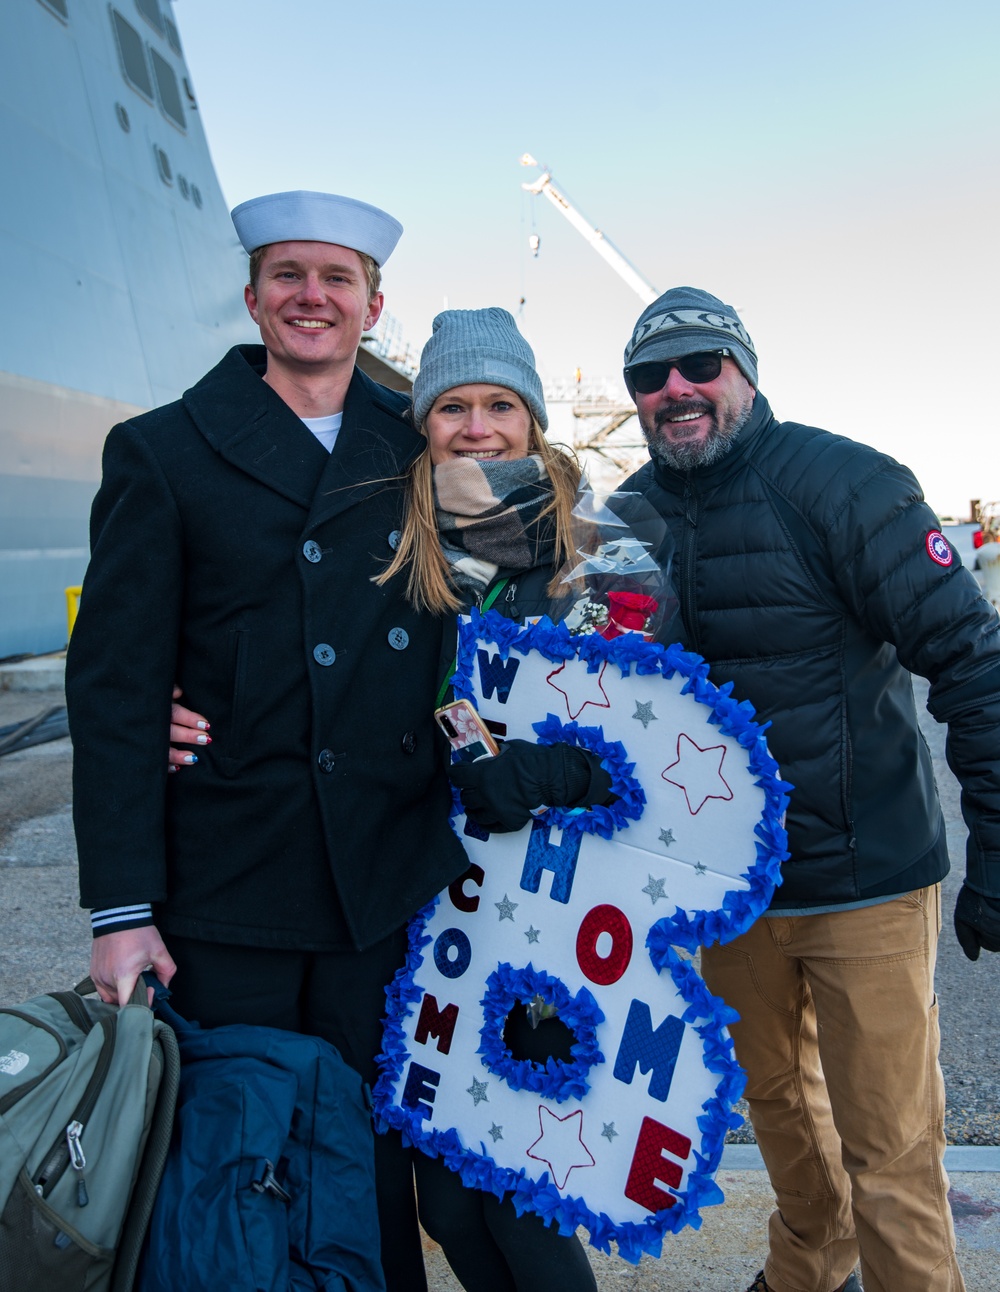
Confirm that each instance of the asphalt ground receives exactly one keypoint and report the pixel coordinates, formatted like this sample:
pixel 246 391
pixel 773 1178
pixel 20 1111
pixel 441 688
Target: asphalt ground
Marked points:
pixel 44 945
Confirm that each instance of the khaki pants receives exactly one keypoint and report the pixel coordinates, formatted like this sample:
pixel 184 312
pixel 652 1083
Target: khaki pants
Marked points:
pixel 839 1038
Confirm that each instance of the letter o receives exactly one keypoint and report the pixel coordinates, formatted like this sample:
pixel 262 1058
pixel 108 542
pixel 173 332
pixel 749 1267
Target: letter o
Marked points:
pixel 457 939
pixel 603 970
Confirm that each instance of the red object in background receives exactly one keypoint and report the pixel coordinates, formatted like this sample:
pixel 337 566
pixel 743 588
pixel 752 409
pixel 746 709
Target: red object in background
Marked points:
pixel 629 612
pixel 977 539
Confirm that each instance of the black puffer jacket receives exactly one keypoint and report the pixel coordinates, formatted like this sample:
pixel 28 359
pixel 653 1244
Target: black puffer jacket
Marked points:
pixel 804 570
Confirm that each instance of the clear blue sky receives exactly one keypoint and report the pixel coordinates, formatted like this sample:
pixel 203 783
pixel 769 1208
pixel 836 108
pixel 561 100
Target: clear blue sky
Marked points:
pixel 830 169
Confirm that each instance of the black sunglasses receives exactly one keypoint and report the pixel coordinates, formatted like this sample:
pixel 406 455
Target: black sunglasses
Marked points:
pixel 647 378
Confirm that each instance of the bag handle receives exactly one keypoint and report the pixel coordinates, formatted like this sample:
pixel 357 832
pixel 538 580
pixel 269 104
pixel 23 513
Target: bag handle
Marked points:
pixel 146 979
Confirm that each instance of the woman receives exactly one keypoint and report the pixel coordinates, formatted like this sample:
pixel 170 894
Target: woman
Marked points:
pixel 488 522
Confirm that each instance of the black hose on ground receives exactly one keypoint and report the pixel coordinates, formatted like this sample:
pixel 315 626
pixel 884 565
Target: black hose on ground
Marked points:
pixel 50 724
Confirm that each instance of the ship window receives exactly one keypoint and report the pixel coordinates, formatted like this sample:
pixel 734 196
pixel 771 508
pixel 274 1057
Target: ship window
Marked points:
pixel 167 88
pixel 58 7
pixel 150 10
pixel 173 40
pixel 132 55
pixel 196 195
pixel 123 118
pixel 163 165
pixel 184 187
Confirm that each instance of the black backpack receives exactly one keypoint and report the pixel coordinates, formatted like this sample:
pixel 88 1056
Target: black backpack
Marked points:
pixel 269 1184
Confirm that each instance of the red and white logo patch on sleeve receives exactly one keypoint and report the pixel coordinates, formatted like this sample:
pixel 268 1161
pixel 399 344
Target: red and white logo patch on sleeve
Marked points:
pixel 939 549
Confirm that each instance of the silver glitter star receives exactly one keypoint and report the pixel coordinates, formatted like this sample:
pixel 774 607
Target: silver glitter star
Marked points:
pixel 532 933
pixel 478 1091
pixel 507 908
pixel 496 1131
pixel 644 713
pixel 655 889
pixel 667 837
pixel 609 1131
pixel 700 868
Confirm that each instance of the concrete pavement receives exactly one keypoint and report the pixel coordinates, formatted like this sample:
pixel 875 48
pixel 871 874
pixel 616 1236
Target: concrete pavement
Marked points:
pixel 44 944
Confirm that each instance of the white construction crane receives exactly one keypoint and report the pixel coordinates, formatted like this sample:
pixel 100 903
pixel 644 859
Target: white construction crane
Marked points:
pixel 602 245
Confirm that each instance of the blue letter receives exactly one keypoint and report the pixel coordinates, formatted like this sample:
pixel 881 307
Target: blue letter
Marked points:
pixel 560 859
pixel 651 1050
pixel 445 965
pixel 497 675
pixel 419 1092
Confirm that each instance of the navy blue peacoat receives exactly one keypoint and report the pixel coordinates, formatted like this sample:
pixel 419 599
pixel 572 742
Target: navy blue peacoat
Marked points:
pixel 232 553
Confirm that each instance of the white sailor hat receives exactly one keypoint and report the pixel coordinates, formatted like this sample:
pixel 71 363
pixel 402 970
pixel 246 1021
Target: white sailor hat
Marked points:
pixel 302 216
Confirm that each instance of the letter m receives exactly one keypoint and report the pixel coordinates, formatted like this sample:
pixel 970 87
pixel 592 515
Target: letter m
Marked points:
pixel 439 1023
pixel 652 1051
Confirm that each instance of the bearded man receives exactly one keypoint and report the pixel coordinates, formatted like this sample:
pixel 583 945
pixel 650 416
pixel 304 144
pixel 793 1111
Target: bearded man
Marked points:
pixel 814 578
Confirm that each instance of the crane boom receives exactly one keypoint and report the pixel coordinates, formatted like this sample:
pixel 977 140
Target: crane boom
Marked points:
pixel 604 247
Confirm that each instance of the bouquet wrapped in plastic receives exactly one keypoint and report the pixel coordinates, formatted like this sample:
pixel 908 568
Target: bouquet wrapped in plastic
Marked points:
pixel 619 579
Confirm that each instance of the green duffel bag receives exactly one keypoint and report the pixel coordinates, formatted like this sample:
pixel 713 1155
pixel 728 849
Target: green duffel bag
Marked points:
pixel 87 1097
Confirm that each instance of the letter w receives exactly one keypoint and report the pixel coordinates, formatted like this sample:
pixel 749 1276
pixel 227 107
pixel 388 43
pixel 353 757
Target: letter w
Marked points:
pixel 497 674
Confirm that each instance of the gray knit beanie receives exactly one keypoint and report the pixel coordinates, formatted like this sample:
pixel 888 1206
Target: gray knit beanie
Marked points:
pixel 472 346
pixel 685 320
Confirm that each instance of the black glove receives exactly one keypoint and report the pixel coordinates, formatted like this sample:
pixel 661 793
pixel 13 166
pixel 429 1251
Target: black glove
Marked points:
pixel 500 793
pixel 977 922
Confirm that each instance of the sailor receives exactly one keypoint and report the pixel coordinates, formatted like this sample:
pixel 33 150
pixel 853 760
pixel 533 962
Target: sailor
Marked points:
pixel 812 576
pixel 234 540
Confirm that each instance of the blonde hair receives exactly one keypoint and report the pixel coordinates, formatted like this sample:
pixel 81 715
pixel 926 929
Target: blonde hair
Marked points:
pixel 429 584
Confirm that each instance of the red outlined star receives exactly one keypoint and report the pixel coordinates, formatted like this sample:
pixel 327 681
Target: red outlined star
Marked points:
pixel 564 1149
pixel 580 688
pixel 698 772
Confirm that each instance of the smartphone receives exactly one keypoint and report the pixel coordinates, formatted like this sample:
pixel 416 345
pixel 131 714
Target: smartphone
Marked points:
pixel 466 732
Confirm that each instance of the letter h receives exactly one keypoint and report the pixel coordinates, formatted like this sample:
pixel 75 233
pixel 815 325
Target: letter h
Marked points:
pixel 559 858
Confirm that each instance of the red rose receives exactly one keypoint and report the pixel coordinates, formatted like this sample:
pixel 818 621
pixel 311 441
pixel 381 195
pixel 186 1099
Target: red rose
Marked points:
pixel 630 610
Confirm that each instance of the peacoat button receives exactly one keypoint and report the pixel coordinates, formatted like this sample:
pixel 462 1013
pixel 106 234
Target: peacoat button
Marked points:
pixel 324 654
pixel 409 742
pixel 312 551
pixel 394 538
pixel 326 759
pixel 399 638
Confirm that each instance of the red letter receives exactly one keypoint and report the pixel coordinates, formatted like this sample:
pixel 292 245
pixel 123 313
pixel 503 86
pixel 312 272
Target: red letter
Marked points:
pixel 439 1023
pixel 456 890
pixel 604 970
pixel 648 1165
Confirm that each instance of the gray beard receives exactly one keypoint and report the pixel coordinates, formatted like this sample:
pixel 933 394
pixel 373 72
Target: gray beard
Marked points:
pixel 685 455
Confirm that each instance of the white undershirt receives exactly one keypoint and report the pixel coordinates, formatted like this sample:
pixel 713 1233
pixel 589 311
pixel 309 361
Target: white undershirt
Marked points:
pixel 325 429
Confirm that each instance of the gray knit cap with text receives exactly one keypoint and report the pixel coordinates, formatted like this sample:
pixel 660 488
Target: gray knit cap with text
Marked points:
pixel 685 320
pixel 477 346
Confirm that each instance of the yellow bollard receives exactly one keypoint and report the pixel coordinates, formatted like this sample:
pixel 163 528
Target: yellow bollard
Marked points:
pixel 72 608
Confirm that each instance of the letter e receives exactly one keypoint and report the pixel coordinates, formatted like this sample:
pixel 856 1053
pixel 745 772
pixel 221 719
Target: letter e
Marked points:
pixel 649 1165
pixel 419 1091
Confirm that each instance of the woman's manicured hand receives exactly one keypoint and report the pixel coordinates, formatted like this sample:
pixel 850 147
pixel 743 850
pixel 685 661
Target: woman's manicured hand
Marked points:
pixel 186 728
